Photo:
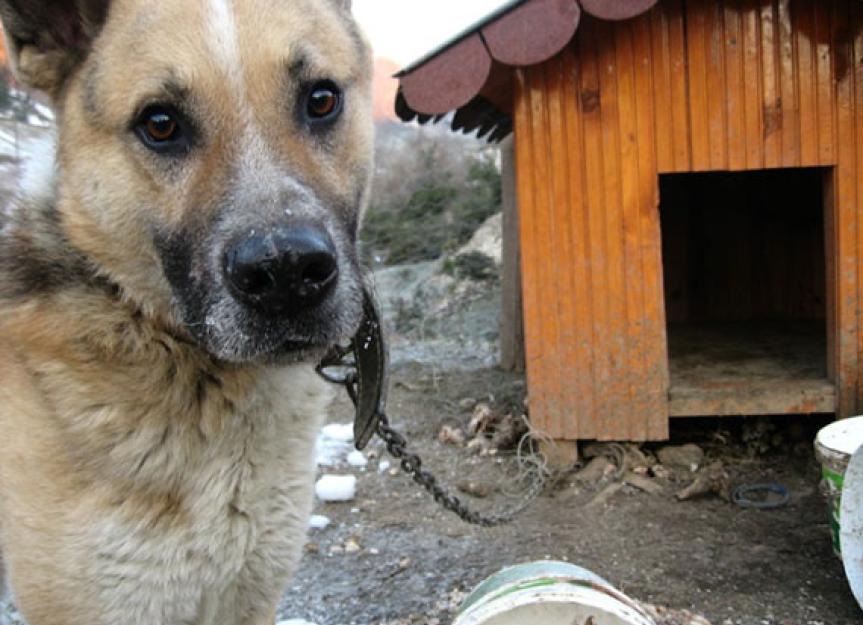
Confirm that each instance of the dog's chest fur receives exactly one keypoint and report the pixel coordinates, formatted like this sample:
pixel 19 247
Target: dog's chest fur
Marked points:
pixel 163 461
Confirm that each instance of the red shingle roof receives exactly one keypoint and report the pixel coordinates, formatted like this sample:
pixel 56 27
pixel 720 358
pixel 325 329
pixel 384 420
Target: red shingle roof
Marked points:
pixel 472 74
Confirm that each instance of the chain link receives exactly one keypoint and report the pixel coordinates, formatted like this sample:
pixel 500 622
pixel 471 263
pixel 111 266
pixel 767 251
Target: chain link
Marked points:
pixel 413 466
pixel 397 447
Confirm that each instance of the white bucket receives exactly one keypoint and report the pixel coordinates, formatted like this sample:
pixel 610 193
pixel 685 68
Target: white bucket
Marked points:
pixel 834 447
pixel 851 535
pixel 549 593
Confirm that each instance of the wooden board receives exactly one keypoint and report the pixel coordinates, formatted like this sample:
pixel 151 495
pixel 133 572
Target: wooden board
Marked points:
pixel 691 86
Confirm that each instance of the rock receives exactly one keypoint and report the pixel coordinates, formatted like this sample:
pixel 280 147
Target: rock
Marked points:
pixel 661 472
pixel 710 480
pixel 509 432
pixel 352 545
pixel 475 489
pixel 597 469
pixel 684 456
pixel 480 445
pixel 452 436
pixel 487 240
pixel 468 403
pixel 643 483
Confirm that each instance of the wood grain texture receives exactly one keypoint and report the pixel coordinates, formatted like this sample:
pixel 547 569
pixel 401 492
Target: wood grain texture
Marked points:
pixel 690 86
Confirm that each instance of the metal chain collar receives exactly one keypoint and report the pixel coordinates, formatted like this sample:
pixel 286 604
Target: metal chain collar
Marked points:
pixel 341 359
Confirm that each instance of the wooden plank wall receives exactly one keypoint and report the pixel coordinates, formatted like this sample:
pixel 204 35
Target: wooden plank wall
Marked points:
pixel 694 85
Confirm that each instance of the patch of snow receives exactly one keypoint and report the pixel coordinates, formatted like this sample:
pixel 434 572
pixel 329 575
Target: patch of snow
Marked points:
pixel 334 488
pixel 334 444
pixel 384 466
pixel 9 615
pixel 339 431
pixel 39 168
pixel 319 522
pixel 357 459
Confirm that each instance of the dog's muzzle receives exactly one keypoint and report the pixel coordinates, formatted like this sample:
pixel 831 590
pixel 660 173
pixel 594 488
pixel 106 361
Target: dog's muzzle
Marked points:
pixel 283 271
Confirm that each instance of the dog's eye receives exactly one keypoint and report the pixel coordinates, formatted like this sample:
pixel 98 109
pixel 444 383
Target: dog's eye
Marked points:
pixel 161 129
pixel 324 102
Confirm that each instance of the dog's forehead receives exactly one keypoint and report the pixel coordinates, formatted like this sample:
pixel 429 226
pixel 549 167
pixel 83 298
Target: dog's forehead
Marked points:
pixel 236 37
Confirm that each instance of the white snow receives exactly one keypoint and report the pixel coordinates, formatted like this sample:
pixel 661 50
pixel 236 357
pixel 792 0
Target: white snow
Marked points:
pixel 384 466
pixel 334 444
pixel 358 460
pixel 319 522
pixel 336 488
pixel 343 432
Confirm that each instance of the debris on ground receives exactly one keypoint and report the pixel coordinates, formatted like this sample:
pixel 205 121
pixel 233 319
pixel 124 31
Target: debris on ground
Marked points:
pixel 605 495
pixel 596 470
pixel 666 616
pixel 336 488
pixel 642 483
pixel 761 435
pixel 626 457
pixel 482 420
pixel 352 545
pixel 475 489
pixel 661 472
pixel 481 445
pixel 689 457
pixel 713 479
pixel 509 432
pixel 450 435
pixel 295 621
pixel 468 403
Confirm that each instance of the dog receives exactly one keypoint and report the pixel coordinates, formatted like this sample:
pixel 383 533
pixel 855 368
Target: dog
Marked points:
pixel 167 284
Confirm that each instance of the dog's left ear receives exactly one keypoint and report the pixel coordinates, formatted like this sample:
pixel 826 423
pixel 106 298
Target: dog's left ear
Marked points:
pixel 47 39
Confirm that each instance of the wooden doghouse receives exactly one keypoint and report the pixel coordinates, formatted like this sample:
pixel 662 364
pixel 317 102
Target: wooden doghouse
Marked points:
pixel 690 192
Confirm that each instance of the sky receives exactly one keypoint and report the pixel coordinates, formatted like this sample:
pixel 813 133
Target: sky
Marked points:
pixel 404 30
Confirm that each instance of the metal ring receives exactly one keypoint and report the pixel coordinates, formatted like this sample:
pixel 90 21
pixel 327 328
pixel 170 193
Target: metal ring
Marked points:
pixel 741 493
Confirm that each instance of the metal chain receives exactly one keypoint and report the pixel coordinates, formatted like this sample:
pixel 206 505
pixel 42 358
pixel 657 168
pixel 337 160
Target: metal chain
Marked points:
pixel 412 464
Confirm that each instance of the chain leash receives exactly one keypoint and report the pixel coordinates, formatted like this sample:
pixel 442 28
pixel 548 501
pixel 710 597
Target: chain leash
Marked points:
pixel 397 447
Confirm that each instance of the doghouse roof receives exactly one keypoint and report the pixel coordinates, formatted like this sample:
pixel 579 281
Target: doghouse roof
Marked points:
pixel 472 73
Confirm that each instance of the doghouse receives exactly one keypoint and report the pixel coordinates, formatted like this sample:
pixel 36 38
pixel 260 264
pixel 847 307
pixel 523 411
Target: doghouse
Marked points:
pixel 690 194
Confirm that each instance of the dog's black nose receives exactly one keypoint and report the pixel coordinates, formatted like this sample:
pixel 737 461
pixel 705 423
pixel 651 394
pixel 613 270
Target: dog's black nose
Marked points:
pixel 282 271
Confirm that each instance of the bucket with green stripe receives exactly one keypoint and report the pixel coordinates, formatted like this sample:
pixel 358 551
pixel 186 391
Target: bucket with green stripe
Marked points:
pixel 549 593
pixel 834 447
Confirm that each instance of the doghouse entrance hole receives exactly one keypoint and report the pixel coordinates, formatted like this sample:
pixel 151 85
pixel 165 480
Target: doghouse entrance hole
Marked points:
pixel 745 292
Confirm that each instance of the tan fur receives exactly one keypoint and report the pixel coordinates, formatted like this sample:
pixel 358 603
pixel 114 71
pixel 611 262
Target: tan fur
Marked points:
pixel 144 480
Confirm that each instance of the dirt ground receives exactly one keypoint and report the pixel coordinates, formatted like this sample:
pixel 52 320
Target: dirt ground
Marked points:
pixel 408 561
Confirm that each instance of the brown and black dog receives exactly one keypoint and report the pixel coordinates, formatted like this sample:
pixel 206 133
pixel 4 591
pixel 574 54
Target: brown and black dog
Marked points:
pixel 166 285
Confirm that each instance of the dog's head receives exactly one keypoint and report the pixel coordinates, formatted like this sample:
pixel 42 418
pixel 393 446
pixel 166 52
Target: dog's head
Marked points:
pixel 214 158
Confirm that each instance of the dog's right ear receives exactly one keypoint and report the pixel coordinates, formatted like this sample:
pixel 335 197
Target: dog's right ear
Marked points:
pixel 47 39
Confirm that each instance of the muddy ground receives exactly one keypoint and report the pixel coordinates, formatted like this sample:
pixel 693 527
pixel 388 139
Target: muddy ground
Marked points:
pixel 729 564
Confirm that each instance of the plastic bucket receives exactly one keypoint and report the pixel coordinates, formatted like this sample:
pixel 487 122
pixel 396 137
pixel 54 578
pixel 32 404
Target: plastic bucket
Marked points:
pixel 851 512
pixel 834 447
pixel 549 593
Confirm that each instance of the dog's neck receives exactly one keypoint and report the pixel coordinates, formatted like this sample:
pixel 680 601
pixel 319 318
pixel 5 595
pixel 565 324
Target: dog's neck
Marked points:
pixel 38 262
